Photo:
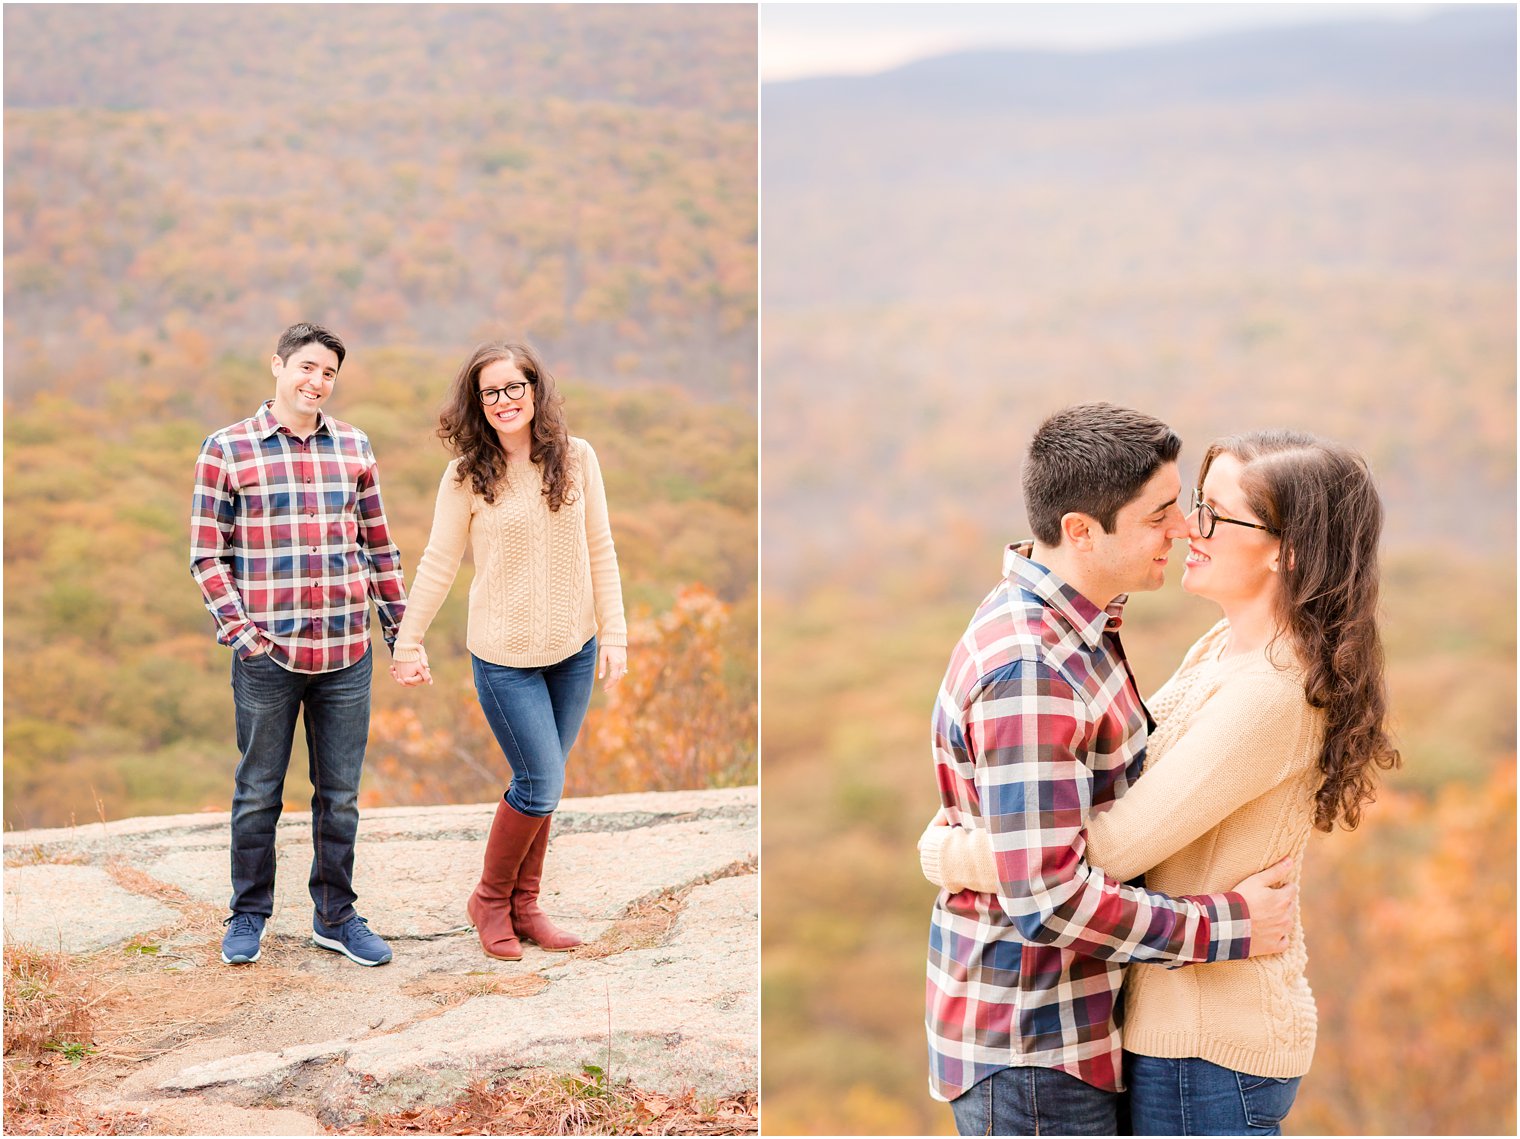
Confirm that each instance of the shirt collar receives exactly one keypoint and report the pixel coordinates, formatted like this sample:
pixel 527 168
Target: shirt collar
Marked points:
pixel 265 424
pixel 1089 622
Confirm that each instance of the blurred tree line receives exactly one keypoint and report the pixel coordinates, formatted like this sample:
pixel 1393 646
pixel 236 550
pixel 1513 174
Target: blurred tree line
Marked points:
pixel 116 691
pixel 1321 252
pixel 1409 919
pixel 411 174
pixel 419 177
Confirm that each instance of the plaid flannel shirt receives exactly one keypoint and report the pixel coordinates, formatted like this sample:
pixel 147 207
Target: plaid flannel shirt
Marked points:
pixel 288 542
pixel 1037 722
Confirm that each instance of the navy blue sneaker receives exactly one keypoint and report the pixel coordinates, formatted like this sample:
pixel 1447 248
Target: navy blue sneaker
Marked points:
pixel 240 944
pixel 353 939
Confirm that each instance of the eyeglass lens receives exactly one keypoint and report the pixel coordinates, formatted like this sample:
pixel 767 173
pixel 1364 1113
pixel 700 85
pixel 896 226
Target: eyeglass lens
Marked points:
pixel 1206 516
pixel 513 390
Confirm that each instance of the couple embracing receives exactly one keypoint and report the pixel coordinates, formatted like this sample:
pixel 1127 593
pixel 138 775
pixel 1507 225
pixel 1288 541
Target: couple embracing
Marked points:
pixel 1116 942
pixel 289 544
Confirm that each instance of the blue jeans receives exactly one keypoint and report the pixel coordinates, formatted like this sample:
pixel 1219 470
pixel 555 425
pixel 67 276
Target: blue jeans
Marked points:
pixel 1035 1101
pixel 535 714
pixel 266 699
pixel 1195 1097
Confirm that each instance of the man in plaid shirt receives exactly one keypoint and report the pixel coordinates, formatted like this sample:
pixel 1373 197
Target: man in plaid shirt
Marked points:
pixel 288 543
pixel 1037 723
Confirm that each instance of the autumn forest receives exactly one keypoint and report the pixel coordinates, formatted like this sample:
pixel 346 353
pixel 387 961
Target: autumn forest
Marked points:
pixel 419 178
pixel 1310 227
pixel 1226 237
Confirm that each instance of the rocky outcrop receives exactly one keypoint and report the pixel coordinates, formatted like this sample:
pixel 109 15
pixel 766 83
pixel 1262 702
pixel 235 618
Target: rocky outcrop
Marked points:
pixel 662 887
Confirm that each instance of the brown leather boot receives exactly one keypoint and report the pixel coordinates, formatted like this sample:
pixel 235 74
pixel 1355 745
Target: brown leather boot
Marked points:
pixel 490 906
pixel 531 923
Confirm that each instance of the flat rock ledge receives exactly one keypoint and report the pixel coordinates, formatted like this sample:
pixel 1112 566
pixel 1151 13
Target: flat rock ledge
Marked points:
pixel 662 886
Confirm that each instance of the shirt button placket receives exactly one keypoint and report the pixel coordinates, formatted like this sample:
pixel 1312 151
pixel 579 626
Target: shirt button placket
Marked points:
pixel 311 536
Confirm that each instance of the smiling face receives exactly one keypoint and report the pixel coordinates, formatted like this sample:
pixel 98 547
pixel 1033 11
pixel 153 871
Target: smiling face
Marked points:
pixel 302 383
pixel 1236 563
pixel 1132 558
pixel 512 418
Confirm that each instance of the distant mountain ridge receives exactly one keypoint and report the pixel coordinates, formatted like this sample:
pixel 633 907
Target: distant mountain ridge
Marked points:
pixel 1311 227
pixel 1466 53
pixel 196 56
pixel 413 175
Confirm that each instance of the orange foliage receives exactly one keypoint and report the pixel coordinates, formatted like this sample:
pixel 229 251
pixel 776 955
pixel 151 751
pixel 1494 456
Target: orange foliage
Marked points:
pixel 1411 929
pixel 674 722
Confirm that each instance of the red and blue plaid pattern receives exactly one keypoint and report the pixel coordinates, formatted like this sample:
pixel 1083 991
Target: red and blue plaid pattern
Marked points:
pixel 1037 722
pixel 288 542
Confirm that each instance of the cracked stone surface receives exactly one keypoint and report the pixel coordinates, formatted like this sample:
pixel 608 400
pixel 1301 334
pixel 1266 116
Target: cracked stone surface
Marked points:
pixel 76 909
pixel 309 1034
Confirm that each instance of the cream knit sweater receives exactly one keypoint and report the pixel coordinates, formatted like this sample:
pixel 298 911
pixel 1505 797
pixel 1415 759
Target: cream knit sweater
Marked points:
pixel 545 581
pixel 1228 789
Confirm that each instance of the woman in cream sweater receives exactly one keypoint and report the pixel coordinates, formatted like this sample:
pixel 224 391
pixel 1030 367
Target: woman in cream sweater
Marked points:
pixel 1272 726
pixel 545 604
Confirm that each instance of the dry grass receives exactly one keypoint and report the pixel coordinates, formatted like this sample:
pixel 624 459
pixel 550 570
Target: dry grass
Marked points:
pixel 644 926
pixel 135 881
pixel 50 1008
pixel 39 855
pixel 448 991
pixel 545 1103
pixel 648 924
pixel 47 1002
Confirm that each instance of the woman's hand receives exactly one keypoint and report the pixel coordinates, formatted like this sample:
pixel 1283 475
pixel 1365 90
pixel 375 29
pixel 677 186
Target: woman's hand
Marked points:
pixel 930 845
pixel 411 673
pixel 612 663
pixel 957 859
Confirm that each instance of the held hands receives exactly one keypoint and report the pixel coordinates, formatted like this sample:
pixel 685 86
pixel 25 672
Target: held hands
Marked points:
pixel 612 662
pixel 1272 897
pixel 409 674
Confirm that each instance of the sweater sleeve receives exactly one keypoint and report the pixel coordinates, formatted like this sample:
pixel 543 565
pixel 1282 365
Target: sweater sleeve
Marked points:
pixel 1024 728
pixel 955 858
pixel 606 584
pixel 439 565
pixel 1253 733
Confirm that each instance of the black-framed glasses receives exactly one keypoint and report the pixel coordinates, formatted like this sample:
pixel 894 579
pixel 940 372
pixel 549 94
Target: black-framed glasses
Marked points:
pixel 1208 518
pixel 515 390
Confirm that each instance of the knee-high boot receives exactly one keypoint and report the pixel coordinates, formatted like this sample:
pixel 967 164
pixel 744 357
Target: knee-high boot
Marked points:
pixel 490 906
pixel 530 922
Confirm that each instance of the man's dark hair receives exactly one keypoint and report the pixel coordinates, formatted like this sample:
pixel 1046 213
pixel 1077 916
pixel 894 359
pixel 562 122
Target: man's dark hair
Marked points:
pixel 1091 458
pixel 298 336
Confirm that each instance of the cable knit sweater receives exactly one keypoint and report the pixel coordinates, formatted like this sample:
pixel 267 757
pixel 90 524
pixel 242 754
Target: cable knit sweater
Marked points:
pixel 545 581
pixel 1228 789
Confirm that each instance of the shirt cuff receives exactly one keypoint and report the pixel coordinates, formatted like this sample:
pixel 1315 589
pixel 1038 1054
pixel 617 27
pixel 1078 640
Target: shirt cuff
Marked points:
pixel 245 641
pixel 612 640
pixel 1229 926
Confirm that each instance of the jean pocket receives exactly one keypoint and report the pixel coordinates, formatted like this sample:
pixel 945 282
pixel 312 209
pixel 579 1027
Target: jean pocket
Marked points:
pixel 1266 1099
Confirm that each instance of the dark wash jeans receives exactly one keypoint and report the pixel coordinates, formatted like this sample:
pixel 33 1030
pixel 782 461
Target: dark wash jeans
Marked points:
pixel 1196 1097
pixel 267 698
pixel 536 714
pixel 1035 1101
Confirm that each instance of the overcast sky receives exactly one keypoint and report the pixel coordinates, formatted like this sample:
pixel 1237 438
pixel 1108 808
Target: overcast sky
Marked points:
pixel 797 40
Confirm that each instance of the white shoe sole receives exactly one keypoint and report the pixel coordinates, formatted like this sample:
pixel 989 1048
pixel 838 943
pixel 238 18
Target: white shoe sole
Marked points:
pixel 339 947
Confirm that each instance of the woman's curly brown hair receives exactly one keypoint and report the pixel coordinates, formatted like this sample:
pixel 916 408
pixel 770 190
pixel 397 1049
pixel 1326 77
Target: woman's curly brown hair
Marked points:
pixel 1319 495
pixel 467 432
